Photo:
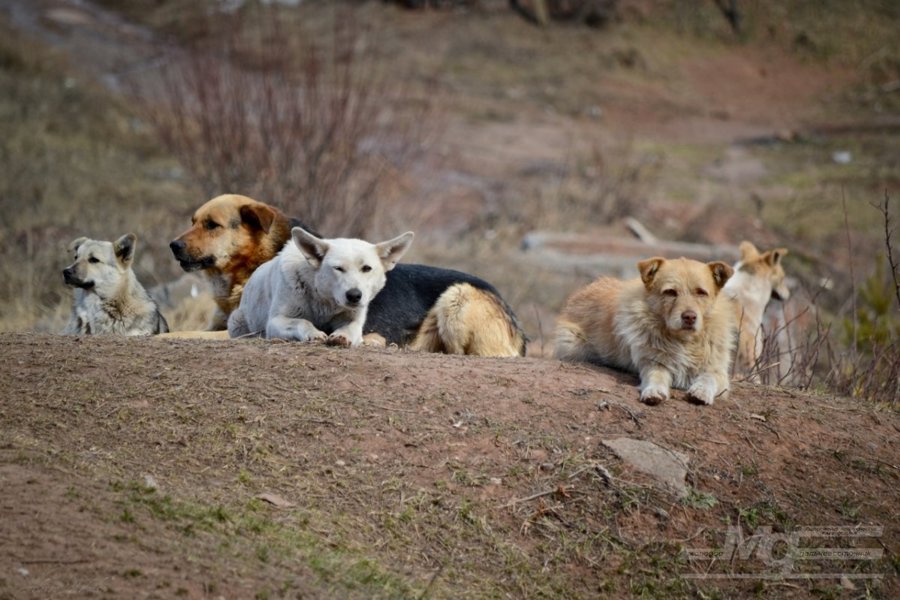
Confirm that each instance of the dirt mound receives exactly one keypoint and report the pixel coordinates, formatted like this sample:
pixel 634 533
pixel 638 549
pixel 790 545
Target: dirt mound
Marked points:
pixel 159 468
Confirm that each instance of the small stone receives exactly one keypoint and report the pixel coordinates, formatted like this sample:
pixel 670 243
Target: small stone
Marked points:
pixel 666 466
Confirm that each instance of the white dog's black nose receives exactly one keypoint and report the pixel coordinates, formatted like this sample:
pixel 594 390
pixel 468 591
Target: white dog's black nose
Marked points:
pixel 354 296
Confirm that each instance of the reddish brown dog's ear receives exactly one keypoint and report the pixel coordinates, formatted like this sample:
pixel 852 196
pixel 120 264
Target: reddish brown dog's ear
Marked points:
pixel 649 267
pixel 257 216
pixel 721 272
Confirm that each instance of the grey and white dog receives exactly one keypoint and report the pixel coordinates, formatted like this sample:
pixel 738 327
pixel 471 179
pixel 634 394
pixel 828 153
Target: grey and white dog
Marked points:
pixel 108 297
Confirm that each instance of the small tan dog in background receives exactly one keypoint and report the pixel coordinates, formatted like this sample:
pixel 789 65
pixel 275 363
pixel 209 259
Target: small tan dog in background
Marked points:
pixel 757 279
pixel 670 326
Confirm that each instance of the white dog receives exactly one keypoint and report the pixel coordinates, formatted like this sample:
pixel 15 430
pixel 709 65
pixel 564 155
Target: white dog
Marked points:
pixel 316 289
pixel 758 278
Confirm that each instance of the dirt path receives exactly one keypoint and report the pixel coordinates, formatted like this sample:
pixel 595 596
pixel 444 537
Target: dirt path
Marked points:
pixel 138 468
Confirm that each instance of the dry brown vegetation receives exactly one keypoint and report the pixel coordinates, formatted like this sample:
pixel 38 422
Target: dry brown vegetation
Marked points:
pixel 312 125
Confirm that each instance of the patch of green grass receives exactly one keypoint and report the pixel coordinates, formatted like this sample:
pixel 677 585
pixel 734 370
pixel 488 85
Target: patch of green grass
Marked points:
pixel 269 539
pixel 244 477
pixel 850 508
pixel 765 513
pixel 749 470
pixel 699 500
pixel 656 571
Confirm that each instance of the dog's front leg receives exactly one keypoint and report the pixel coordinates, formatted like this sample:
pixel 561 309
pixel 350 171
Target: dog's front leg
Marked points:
pixel 707 386
pixel 351 333
pixel 288 328
pixel 655 383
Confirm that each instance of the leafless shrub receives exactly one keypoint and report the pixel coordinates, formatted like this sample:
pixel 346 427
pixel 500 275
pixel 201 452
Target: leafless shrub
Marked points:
pixel 597 187
pixel 613 192
pixel 312 126
pixel 860 357
pixel 884 208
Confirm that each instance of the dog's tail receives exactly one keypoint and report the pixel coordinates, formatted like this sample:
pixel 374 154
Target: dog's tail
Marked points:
pixel 469 320
pixel 570 343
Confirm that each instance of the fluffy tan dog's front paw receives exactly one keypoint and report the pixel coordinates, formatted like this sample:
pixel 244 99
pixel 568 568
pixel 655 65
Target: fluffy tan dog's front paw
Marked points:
pixel 654 394
pixel 703 392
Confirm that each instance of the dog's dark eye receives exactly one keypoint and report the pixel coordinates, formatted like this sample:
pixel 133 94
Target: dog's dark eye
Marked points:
pixel 93 260
pixel 701 292
pixel 339 269
pixel 670 293
pixel 366 268
pixel 210 225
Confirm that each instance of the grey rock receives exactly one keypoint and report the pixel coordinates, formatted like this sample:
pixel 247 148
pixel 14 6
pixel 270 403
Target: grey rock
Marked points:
pixel 666 466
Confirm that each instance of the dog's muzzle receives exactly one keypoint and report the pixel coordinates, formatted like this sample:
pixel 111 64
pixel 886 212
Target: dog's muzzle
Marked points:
pixel 353 295
pixel 689 320
pixel 188 262
pixel 70 279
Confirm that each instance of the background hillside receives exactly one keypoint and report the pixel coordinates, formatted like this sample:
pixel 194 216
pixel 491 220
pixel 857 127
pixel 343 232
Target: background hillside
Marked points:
pixel 520 152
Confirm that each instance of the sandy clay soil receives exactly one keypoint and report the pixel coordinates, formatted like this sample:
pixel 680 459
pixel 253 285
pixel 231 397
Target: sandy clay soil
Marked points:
pixel 150 468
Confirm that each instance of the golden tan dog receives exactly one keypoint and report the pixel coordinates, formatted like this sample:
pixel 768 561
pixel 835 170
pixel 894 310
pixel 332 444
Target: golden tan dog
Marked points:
pixel 670 326
pixel 469 320
pixel 230 236
pixel 757 279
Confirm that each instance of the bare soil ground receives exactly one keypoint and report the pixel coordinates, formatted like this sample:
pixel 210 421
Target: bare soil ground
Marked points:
pixel 149 468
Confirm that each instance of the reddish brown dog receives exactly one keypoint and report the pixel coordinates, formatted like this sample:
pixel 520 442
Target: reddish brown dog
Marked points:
pixel 230 236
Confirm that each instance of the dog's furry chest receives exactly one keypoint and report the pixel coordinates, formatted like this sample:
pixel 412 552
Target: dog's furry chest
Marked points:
pixel 116 316
pixel 644 340
pixel 304 302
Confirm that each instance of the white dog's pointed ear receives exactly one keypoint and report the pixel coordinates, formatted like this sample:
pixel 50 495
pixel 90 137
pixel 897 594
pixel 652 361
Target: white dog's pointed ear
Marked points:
pixel 649 267
pixel 721 272
pixel 393 250
pixel 124 248
pixel 748 251
pixel 75 244
pixel 313 248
